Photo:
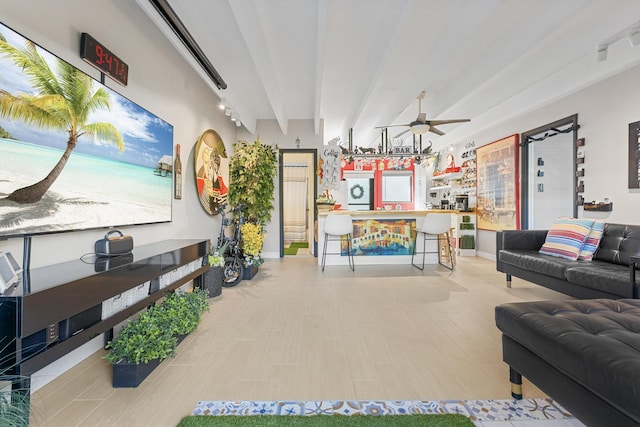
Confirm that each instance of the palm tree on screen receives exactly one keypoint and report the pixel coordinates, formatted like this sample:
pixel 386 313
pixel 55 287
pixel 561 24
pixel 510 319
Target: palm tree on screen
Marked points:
pixel 62 102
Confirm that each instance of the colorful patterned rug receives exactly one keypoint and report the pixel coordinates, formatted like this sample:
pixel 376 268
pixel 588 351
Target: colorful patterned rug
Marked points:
pixel 476 410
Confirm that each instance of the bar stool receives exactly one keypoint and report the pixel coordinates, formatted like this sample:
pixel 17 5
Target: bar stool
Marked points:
pixel 434 225
pixel 338 225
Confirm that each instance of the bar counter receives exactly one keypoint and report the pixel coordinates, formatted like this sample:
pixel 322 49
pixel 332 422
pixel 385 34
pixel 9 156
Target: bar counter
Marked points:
pixel 370 227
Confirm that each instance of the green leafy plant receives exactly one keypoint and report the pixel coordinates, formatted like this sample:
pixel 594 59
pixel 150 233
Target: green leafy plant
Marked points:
pixel 152 335
pixel 180 312
pixel 252 169
pixel 14 403
pixel 216 260
pixel 142 340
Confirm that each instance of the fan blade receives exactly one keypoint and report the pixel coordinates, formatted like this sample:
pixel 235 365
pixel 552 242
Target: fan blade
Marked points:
pixel 389 126
pixel 436 131
pixel 402 133
pixel 444 122
pixel 422 118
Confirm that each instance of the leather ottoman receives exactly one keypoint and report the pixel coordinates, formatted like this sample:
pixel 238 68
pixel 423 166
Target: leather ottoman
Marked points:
pixel 583 353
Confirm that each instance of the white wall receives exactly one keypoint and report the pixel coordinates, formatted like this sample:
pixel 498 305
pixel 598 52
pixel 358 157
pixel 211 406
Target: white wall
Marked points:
pixel 604 113
pixel 159 81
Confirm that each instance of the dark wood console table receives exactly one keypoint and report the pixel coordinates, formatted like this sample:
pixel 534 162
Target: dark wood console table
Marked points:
pixel 61 308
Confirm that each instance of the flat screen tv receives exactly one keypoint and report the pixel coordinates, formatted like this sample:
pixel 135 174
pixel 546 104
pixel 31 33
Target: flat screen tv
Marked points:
pixel 74 154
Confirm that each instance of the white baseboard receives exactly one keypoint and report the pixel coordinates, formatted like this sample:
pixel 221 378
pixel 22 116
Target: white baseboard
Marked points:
pixel 487 255
pixel 50 372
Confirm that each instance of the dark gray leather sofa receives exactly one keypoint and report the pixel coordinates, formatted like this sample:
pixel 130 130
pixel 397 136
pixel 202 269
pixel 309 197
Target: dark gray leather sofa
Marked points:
pixel 585 354
pixel 611 274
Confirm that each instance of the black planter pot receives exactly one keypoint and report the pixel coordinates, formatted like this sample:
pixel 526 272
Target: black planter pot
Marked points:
pixel 132 374
pixel 250 271
pixel 127 374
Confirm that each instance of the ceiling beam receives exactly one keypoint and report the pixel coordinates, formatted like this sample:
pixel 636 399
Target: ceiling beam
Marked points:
pixel 321 46
pixel 382 47
pixel 251 29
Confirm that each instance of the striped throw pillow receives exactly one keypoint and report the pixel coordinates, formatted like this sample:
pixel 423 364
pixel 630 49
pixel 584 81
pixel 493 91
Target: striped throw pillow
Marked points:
pixel 566 238
pixel 593 240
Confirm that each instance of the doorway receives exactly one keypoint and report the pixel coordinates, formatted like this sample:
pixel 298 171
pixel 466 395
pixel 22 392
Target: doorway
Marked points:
pixel 298 192
pixel 549 173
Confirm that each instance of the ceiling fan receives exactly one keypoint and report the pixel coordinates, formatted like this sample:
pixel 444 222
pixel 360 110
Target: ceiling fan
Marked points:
pixel 421 124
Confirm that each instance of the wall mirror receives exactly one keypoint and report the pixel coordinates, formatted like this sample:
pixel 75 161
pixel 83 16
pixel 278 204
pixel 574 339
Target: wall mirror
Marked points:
pixel 548 167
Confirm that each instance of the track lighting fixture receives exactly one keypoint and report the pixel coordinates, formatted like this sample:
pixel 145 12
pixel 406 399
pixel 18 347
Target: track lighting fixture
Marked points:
pixel 173 22
pixel 602 53
pixel 233 117
pixel 631 33
pixel 227 111
pixel 223 103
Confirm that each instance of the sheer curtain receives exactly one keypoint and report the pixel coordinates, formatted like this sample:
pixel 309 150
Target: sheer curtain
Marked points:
pixel 295 184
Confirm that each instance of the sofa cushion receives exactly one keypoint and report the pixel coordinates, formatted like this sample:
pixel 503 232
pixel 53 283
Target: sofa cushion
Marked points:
pixel 603 276
pixel 618 243
pixel 566 238
pixel 592 241
pixel 594 342
pixel 534 261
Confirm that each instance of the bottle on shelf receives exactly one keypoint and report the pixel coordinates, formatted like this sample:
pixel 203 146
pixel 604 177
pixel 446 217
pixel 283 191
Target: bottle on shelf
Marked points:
pixel 177 173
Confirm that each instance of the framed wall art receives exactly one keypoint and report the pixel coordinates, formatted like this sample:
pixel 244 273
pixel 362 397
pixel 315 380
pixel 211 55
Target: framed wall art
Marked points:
pixel 498 202
pixel 381 237
pixel 634 155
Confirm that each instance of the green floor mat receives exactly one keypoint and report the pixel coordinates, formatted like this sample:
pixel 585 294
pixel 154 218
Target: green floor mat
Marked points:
pixel 435 420
pixel 294 246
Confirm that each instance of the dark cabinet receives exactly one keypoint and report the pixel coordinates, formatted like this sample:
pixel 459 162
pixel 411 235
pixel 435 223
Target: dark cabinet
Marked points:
pixel 62 307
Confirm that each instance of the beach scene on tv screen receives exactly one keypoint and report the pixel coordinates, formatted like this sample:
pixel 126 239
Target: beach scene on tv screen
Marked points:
pixel 75 154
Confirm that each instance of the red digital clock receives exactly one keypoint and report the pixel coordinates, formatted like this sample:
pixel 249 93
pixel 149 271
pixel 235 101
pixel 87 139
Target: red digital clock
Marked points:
pixel 103 59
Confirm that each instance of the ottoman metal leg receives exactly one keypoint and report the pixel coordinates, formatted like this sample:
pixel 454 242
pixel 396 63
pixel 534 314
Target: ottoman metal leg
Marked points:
pixel 516 383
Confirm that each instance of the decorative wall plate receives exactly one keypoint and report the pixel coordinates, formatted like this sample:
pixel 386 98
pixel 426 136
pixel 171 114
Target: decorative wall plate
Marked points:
pixel 211 171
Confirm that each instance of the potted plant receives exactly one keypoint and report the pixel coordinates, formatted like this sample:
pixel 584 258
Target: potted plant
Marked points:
pixel 154 336
pixel 252 240
pixel 252 170
pixel 214 277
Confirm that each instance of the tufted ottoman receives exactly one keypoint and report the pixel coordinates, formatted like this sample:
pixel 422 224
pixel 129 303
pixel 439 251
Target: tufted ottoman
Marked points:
pixel 583 353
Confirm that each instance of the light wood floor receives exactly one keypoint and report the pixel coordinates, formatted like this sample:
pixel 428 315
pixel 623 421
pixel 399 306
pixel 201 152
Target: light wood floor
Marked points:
pixel 295 333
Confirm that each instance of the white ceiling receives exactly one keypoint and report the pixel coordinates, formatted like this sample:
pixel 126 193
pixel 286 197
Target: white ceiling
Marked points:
pixel 361 63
